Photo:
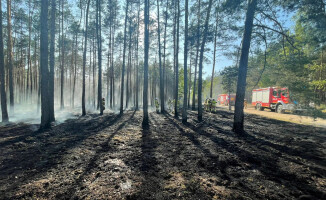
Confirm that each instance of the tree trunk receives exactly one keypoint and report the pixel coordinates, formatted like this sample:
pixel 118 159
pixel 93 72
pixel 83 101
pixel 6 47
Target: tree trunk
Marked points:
pixel 164 49
pixel 62 105
pixel 99 46
pixel 189 85
pixel 75 72
pixel 52 52
pixel 146 48
pixel 4 110
pixel 123 59
pixel 214 60
pixel 160 58
pixel 241 85
pixel 177 65
pixel 201 58
pixel 128 68
pixel 84 61
pixel 196 60
pixel 185 89
pixel 137 63
pixel 10 57
pixel 45 108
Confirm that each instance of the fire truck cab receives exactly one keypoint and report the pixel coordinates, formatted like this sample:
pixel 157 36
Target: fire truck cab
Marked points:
pixel 225 99
pixel 274 98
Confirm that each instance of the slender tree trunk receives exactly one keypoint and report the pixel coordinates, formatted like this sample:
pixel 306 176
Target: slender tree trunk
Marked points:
pixel 128 67
pixel 185 89
pixel 52 52
pixel 160 57
pixel 137 63
pixel 10 57
pixel 45 117
pixel 177 65
pixel 62 105
pixel 164 49
pixel 29 64
pixel 196 60
pixel 75 72
pixel 84 60
pixel 201 58
pixel 189 78
pixel 4 110
pixel 241 85
pixel 99 46
pixel 146 48
pixel 214 61
pixel 123 59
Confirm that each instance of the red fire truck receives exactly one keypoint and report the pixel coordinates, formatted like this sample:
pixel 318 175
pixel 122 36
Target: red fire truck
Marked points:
pixel 225 99
pixel 274 98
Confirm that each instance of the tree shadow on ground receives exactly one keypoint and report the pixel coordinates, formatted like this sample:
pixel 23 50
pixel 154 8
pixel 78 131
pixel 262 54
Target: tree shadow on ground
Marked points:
pixel 264 161
pixel 104 148
pixel 45 150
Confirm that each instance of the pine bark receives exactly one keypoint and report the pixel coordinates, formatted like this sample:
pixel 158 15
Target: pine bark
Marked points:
pixel 201 59
pixel 243 66
pixel 185 89
pixel 196 60
pixel 84 61
pixel 123 58
pixel 45 107
pixel 160 57
pixel 4 111
pixel 99 46
pixel 10 57
pixel 146 50
pixel 52 61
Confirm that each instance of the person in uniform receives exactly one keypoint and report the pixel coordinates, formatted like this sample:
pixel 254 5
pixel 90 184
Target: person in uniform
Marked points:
pixel 157 105
pixel 213 105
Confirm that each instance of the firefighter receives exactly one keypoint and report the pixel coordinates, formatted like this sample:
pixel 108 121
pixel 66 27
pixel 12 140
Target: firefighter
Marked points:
pixel 172 105
pixel 169 104
pixel 213 105
pixel 103 104
pixel 245 103
pixel 157 105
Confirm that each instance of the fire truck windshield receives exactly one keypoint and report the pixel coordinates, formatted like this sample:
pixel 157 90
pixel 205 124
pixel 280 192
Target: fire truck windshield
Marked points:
pixel 285 93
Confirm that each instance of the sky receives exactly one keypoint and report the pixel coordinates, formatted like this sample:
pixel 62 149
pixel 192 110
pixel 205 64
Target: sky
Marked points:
pixel 221 60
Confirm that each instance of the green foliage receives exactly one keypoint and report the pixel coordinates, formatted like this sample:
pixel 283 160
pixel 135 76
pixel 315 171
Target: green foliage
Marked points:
pixel 229 78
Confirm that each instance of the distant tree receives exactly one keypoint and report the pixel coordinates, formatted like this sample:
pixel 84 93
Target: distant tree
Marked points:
pixel 229 77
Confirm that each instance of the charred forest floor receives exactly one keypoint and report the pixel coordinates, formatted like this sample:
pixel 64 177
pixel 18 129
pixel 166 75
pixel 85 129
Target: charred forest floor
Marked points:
pixel 113 157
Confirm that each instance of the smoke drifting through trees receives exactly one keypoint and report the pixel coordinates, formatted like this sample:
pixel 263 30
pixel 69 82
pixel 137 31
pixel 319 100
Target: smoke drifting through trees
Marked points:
pixel 72 56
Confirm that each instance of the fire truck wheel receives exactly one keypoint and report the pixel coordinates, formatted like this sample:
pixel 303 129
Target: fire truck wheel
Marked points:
pixel 279 109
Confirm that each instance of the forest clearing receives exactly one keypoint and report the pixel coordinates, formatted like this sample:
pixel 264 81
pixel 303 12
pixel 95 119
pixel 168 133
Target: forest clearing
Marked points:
pixel 113 157
pixel 122 99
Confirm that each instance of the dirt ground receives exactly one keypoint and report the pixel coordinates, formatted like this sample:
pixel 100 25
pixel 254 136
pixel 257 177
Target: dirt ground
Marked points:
pixel 287 117
pixel 113 157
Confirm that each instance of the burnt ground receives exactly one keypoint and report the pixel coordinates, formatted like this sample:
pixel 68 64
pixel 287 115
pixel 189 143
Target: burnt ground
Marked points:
pixel 112 157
